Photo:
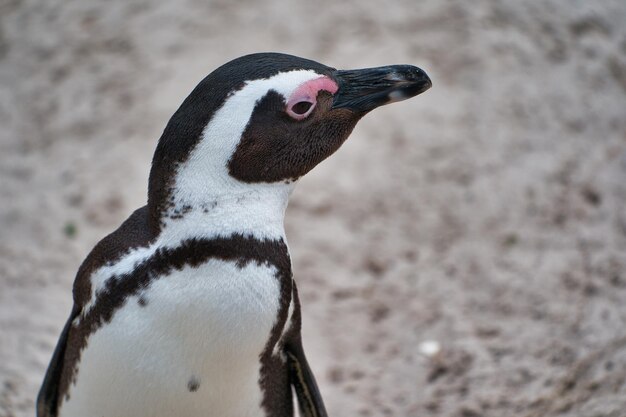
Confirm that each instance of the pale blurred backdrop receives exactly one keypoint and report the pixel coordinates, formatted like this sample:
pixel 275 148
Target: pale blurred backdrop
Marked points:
pixel 463 254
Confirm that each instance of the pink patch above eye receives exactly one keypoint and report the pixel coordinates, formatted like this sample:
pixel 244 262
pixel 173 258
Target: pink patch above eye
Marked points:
pixel 307 92
pixel 309 89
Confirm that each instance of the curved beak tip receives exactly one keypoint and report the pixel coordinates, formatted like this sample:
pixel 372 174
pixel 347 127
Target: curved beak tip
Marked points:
pixel 410 83
pixel 364 90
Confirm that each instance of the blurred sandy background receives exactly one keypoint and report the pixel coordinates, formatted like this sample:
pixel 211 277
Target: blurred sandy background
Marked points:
pixel 488 215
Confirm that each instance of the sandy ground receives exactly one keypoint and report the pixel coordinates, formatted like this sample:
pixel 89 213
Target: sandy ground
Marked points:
pixel 488 215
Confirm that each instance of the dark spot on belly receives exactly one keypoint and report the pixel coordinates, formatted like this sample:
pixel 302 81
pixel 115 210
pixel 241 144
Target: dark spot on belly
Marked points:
pixel 242 250
pixel 193 384
pixel 142 301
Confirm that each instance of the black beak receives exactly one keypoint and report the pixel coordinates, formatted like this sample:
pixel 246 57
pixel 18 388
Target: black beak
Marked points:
pixel 365 89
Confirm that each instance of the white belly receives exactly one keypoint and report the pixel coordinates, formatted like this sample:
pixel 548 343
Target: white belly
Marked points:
pixel 192 350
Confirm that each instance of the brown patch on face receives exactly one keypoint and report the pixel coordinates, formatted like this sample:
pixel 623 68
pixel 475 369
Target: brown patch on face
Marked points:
pixel 184 130
pixel 275 147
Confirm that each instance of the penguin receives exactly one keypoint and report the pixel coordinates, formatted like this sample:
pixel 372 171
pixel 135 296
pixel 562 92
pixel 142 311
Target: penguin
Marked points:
pixel 190 308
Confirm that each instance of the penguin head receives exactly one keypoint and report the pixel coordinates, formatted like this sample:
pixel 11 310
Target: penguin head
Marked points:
pixel 268 118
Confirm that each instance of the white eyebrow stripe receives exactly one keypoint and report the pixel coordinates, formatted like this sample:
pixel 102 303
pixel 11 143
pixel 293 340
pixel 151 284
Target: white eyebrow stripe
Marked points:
pixel 206 167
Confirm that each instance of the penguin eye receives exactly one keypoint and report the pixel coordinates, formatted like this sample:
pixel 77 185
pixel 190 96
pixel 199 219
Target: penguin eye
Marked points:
pixel 300 109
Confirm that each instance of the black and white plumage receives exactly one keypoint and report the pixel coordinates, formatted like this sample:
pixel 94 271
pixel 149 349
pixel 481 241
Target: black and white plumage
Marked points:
pixel 190 308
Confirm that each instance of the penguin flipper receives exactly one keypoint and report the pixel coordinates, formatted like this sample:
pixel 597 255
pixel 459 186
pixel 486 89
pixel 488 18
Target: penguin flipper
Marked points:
pixel 48 398
pixel 309 397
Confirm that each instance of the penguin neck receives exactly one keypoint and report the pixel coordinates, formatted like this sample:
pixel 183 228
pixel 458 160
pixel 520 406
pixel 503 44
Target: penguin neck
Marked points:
pixel 254 210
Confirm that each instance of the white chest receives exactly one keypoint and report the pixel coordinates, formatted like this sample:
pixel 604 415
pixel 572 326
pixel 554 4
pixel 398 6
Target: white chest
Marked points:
pixel 187 345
